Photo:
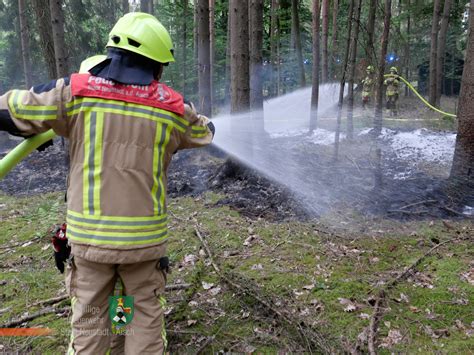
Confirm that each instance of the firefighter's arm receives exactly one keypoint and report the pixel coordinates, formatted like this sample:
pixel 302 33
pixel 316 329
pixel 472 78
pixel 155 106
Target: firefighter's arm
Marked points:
pixel 29 112
pixel 200 131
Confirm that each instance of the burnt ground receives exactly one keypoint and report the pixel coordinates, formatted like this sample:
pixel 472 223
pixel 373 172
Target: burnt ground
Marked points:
pixel 353 184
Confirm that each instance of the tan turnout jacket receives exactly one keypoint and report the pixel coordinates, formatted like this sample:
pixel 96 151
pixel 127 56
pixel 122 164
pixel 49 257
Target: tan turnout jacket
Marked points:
pixel 121 141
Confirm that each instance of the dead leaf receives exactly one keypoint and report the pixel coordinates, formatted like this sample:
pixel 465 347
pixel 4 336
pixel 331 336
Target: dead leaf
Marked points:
pixel 191 322
pixel 214 291
pixel 190 259
pixel 364 316
pixel 257 267
pixel 309 287
pixel 245 315
pixel 206 285
pixel 394 337
pixel 349 305
pixel 468 276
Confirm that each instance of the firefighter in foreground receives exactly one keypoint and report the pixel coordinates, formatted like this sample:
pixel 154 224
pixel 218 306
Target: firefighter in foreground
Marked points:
pixel 392 92
pixel 123 126
pixel 368 86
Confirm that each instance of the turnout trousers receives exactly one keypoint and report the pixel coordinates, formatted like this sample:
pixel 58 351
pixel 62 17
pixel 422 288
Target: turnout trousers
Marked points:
pixel 90 284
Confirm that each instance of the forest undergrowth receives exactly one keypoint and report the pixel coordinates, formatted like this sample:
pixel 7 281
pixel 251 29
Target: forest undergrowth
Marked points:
pixel 241 284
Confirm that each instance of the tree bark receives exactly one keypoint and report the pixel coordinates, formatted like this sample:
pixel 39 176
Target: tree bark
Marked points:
pixel 256 45
pixel 433 52
pixel 125 7
pixel 204 63
pixel 352 67
pixel 274 47
pixel 25 43
pixel 343 81
pixel 325 29
pixel 43 24
pixel 212 41
pixel 239 63
pixel 184 39
pixel 443 30
pixel 227 59
pixel 371 32
pixel 315 84
pixel 407 48
pixel 146 6
pixel 334 39
pixel 57 25
pixel 462 171
pixel 295 29
pixel 381 69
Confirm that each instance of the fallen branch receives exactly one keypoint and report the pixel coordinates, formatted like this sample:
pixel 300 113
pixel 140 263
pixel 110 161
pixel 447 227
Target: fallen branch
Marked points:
pixel 312 337
pixel 378 309
pixel 51 301
pixel 417 203
pixel 16 245
pixel 30 317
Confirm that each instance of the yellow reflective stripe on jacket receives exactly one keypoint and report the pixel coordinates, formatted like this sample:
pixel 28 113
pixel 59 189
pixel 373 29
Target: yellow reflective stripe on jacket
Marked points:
pixel 102 219
pixel 199 131
pixel 127 109
pixel 116 238
pixel 93 130
pixel 158 222
pixel 158 191
pixel 30 112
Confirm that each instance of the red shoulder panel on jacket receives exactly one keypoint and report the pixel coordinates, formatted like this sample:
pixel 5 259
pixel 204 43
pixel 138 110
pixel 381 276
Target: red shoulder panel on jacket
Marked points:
pixel 155 95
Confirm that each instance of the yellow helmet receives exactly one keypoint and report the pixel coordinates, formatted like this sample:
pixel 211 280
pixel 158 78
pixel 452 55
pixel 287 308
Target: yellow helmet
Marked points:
pixel 394 70
pixel 370 69
pixel 91 62
pixel 143 34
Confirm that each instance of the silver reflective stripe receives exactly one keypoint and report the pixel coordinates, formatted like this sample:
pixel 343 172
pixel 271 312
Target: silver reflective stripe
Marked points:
pixel 118 223
pixel 90 177
pixel 125 238
pixel 159 177
pixel 128 108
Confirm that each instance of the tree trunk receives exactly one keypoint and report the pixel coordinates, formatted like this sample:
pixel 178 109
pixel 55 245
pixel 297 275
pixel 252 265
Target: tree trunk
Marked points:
pixel 25 43
pixel 352 67
pixel 125 7
pixel 57 24
pixel 274 47
pixel 343 81
pixel 462 171
pixel 212 42
pixel 43 24
pixel 325 29
pixel 441 50
pixel 204 63
pixel 256 45
pixel 227 59
pixel 239 62
pixel 407 48
pixel 184 59
pixel 315 84
pixel 334 39
pixel 433 52
pixel 381 69
pixel 146 6
pixel 371 57
pixel 295 29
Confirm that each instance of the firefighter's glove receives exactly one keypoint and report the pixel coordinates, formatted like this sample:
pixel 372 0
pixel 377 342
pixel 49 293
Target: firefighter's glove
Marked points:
pixel 61 248
pixel 45 145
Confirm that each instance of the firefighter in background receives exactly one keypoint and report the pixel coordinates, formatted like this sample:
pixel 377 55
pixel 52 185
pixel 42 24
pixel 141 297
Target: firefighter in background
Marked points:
pixel 368 86
pixel 392 91
pixel 123 127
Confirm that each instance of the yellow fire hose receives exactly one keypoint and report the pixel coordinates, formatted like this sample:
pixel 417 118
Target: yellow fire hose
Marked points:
pixel 22 150
pixel 419 96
